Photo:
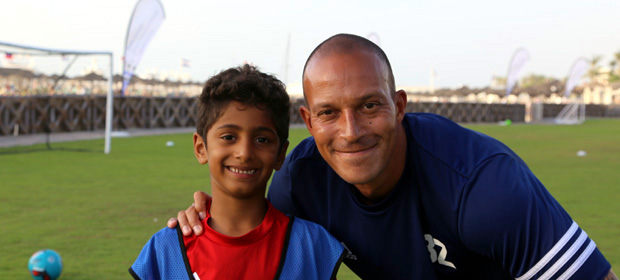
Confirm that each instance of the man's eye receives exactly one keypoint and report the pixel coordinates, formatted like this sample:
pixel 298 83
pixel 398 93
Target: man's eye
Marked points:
pixel 326 112
pixel 370 105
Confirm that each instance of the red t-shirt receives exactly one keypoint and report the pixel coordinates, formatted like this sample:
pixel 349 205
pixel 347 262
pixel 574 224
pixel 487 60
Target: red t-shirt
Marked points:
pixel 255 255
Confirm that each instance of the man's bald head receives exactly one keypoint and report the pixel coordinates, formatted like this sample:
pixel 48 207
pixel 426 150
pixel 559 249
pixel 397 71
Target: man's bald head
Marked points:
pixel 347 43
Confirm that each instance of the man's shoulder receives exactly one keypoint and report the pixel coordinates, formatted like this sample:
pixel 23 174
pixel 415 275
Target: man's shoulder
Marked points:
pixel 305 156
pixel 306 149
pixel 431 129
pixel 435 137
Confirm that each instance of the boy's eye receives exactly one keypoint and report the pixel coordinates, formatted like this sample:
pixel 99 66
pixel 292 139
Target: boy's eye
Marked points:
pixel 262 140
pixel 228 137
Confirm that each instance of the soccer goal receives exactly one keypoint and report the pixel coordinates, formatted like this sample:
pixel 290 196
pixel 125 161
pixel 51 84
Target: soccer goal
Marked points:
pixel 572 113
pixel 14 51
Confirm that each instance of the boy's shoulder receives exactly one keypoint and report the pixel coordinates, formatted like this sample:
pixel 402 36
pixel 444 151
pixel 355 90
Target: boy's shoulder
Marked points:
pixel 312 252
pixel 304 232
pixel 162 256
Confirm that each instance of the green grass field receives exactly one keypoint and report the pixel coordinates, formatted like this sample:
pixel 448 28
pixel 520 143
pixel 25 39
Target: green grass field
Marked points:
pixel 98 210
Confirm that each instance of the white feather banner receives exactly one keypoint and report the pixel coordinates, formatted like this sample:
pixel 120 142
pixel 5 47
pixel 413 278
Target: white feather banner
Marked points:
pixel 580 67
pixel 145 21
pixel 519 58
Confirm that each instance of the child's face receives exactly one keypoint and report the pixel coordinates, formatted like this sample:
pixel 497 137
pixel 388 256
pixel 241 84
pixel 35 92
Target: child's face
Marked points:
pixel 242 149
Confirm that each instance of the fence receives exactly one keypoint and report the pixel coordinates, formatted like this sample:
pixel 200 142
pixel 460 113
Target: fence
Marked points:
pixel 592 110
pixel 86 113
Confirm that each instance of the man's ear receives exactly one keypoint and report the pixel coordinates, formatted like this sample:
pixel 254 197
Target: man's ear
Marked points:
pixel 307 116
pixel 281 156
pixel 200 149
pixel 400 102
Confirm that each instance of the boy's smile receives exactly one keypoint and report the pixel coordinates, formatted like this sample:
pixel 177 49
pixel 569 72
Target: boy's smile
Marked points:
pixel 242 150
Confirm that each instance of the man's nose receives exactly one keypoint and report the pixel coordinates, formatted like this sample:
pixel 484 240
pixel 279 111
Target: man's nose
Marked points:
pixel 350 126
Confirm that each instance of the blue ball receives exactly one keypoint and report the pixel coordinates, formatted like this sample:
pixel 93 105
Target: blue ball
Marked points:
pixel 45 265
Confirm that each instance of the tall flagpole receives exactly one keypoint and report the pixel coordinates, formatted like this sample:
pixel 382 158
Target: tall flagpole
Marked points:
pixel 286 58
pixel 108 109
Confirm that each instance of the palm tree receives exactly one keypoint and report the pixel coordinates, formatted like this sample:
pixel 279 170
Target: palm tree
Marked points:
pixel 616 62
pixel 594 68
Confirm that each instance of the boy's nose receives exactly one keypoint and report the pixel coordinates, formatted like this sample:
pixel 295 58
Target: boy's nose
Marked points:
pixel 244 150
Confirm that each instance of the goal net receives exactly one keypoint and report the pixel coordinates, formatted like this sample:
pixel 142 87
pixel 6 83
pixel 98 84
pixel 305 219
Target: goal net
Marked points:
pixel 572 113
pixel 29 70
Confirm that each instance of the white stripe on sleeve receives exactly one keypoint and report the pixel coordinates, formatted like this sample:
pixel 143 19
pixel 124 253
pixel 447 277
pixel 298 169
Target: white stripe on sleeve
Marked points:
pixel 577 264
pixel 556 248
pixel 567 256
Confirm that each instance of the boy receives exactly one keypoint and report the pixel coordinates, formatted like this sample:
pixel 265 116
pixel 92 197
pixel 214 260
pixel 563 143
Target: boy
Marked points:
pixel 242 132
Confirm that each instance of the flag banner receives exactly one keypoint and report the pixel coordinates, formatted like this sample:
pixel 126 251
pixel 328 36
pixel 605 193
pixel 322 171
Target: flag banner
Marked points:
pixel 8 55
pixel 186 63
pixel 519 58
pixel 580 67
pixel 145 21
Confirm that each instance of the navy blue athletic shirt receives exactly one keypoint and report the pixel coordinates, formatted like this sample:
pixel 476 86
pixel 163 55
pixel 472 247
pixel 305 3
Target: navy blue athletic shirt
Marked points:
pixel 466 207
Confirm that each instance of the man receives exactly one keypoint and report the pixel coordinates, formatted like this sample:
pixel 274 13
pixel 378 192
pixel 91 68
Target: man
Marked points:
pixel 415 196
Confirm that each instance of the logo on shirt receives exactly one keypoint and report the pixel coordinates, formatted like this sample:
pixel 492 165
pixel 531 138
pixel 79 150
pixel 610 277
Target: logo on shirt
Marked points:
pixel 348 254
pixel 440 257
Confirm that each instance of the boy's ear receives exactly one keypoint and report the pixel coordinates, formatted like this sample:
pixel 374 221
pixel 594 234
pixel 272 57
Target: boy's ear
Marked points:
pixel 200 149
pixel 281 156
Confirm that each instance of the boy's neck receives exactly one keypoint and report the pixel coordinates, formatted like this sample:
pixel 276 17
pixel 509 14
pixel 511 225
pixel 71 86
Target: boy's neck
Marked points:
pixel 236 217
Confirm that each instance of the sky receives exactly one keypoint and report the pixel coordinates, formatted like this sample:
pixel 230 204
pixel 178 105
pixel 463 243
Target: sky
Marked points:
pixel 463 42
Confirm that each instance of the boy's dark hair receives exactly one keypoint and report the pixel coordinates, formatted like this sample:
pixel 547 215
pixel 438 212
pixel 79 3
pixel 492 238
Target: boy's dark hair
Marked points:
pixel 247 85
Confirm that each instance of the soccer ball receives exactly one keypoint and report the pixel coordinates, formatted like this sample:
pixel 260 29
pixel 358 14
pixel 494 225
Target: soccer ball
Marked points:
pixel 45 265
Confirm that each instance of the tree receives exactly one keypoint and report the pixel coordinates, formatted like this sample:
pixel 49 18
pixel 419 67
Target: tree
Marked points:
pixel 498 82
pixel 594 67
pixel 614 64
pixel 534 80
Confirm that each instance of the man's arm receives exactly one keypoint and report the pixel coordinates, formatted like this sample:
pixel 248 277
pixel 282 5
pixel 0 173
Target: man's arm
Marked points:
pixel 508 215
pixel 611 275
pixel 189 219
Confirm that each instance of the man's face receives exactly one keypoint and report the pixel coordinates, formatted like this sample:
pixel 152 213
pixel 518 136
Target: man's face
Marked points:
pixel 353 116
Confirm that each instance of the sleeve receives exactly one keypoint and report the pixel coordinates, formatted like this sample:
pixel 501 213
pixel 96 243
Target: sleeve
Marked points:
pixel 509 216
pixel 162 258
pixel 279 193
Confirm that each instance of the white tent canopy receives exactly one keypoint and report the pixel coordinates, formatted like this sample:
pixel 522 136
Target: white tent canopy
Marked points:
pixel 19 49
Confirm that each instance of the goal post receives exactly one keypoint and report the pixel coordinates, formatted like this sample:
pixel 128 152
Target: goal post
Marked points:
pixel 20 49
pixel 573 113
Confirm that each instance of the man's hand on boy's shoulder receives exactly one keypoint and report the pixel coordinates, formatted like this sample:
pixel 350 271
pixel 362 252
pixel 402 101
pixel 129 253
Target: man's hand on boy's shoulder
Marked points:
pixel 190 218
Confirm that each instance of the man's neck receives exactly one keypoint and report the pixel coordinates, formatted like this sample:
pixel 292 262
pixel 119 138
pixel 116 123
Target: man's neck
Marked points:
pixel 375 191
pixel 236 217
